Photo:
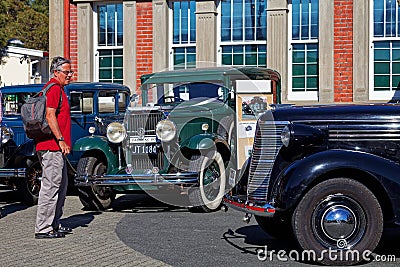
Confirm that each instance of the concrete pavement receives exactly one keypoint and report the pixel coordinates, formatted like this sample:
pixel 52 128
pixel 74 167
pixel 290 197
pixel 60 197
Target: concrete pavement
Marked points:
pixel 92 243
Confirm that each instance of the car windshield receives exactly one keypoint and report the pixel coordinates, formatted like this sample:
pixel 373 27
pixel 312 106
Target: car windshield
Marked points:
pixel 170 93
pixel 13 102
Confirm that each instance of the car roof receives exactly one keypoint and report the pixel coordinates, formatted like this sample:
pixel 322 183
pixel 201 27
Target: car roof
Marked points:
pixel 81 86
pixel 211 74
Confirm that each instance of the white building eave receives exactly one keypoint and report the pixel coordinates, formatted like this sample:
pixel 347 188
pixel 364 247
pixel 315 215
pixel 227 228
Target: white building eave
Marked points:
pixel 25 51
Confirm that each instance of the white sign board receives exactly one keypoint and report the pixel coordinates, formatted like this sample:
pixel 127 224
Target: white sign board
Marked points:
pixel 254 86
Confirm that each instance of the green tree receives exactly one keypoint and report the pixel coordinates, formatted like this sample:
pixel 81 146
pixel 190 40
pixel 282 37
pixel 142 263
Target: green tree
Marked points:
pixel 25 20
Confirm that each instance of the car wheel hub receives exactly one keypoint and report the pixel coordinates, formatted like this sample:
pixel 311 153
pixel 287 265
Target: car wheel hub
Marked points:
pixel 338 219
pixel 338 222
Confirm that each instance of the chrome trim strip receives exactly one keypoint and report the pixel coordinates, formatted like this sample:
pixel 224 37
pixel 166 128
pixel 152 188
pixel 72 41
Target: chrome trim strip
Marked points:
pixel 12 173
pixel 137 179
pixel 341 121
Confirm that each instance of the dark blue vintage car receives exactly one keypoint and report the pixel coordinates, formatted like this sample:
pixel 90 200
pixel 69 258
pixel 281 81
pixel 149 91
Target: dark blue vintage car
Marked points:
pixel 327 176
pixel 93 106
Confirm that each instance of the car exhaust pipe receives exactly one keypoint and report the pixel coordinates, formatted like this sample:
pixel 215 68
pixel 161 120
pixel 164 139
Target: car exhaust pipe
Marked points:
pixel 224 208
pixel 247 217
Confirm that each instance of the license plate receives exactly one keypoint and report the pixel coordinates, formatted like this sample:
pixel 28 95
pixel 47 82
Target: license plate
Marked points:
pixel 145 139
pixel 141 149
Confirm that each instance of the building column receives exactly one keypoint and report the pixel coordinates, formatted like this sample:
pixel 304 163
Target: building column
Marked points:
pixel 361 27
pixel 160 35
pixel 129 50
pixel 277 41
pixel 56 28
pixel 326 54
pixel 206 33
pixel 85 43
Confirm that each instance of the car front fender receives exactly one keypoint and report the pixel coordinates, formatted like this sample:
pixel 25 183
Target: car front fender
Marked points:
pixel 300 176
pixel 97 143
pixel 201 142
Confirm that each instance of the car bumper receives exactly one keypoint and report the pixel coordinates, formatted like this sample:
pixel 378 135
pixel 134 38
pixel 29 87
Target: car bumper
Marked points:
pixel 184 179
pixel 242 204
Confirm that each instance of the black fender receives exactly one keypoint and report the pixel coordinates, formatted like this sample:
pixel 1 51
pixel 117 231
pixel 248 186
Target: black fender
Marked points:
pixel 24 151
pixel 379 174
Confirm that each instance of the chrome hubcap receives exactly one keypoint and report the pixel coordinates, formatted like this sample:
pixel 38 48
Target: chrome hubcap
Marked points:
pixel 338 218
pixel 338 222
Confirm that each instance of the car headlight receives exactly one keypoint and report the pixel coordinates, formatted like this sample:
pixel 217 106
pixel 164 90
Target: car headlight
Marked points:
pixel 285 136
pixel 165 130
pixel 116 132
pixel 6 134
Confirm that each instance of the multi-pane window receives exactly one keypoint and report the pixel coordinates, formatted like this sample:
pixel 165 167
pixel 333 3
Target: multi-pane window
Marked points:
pixel 110 43
pixel 305 67
pixel 183 33
pixel 304 50
pixel 243 32
pixel 386 48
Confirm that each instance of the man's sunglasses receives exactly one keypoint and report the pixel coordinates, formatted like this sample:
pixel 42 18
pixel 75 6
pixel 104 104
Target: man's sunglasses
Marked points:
pixel 67 72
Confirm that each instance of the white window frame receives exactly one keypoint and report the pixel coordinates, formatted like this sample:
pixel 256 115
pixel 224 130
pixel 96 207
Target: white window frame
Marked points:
pixel 220 44
pixel 172 46
pixel 292 95
pixel 378 95
pixel 96 47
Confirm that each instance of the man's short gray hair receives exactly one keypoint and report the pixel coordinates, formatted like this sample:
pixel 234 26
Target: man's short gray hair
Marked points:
pixel 56 64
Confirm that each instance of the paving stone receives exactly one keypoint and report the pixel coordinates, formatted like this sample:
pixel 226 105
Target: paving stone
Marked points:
pixel 93 242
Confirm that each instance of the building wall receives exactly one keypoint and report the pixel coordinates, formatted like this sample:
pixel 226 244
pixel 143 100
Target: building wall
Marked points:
pixel 73 38
pixel 343 50
pixel 144 39
pixel 343 43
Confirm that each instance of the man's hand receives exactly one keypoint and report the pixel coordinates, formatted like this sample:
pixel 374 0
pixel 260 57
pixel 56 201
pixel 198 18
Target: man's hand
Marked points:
pixel 65 149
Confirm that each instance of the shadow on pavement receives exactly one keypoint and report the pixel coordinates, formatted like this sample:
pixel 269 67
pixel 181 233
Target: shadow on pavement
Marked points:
pixel 250 239
pixel 80 220
pixel 255 239
pixel 139 203
pixel 389 244
pixel 10 203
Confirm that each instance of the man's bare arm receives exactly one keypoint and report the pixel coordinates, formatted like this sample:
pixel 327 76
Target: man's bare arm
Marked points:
pixel 55 129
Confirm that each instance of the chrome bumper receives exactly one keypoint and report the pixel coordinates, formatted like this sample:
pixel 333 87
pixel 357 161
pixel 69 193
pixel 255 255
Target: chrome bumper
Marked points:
pixel 241 204
pixel 139 179
pixel 12 173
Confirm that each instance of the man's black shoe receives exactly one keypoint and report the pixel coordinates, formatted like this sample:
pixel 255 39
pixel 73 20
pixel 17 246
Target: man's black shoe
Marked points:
pixel 51 234
pixel 63 229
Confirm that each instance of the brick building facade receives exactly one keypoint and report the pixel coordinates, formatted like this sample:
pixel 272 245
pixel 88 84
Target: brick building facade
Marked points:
pixel 326 51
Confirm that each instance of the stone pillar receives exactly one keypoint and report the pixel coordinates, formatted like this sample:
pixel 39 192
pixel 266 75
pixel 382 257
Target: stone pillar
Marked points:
pixel 361 50
pixel 326 54
pixel 85 43
pixel 277 41
pixel 160 35
pixel 206 33
pixel 129 50
pixel 56 28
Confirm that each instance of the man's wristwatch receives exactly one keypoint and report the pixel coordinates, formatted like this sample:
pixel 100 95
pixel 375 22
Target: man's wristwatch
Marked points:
pixel 60 139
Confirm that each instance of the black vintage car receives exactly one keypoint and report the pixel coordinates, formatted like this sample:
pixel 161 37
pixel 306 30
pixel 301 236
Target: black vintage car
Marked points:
pixel 326 175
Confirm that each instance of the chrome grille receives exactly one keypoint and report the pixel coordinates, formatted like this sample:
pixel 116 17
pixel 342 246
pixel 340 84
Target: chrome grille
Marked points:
pixel 146 121
pixel 267 144
pixel 147 162
pixel 364 132
pixel 136 123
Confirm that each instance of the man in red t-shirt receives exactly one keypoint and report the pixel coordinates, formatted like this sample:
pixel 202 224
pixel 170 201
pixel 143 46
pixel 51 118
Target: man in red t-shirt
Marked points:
pixel 52 153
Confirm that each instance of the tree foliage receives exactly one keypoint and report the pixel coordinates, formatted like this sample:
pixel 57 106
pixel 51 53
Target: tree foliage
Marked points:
pixel 26 20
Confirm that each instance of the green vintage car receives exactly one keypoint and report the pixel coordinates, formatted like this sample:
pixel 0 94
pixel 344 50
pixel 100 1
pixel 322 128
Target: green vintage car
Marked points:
pixel 183 140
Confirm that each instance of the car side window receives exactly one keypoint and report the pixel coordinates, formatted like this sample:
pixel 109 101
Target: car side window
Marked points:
pixel 12 103
pixel 121 102
pixel 107 102
pixel 81 102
